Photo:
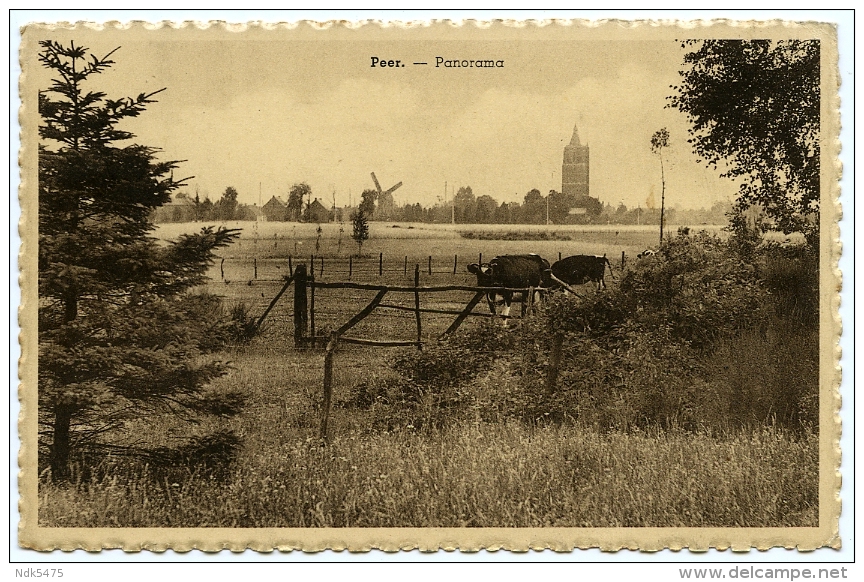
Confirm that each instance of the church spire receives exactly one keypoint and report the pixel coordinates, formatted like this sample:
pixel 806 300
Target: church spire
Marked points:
pixel 574 141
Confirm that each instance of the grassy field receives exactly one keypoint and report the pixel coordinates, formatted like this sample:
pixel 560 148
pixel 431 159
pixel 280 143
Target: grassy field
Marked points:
pixel 469 474
pixel 382 471
pixel 277 240
pixel 264 248
pixel 476 475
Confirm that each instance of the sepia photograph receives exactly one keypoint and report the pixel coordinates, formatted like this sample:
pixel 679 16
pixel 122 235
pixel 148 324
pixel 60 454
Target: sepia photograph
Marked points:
pixel 501 285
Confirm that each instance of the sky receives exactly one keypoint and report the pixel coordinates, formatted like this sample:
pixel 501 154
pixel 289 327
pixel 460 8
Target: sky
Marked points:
pixel 261 112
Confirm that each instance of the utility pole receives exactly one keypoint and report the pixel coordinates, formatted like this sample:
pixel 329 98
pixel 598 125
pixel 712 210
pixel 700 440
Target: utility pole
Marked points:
pixel 547 210
pixel 453 207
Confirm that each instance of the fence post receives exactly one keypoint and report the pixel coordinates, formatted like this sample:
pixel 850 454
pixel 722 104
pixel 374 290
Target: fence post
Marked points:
pixel 290 266
pixel 255 268
pixel 312 265
pixel 222 269
pixel 380 264
pixel 554 362
pixel 328 386
pixel 559 255
pixel 350 265
pixel 312 308
pixel 405 268
pixel 455 261
pixel 622 260
pixel 321 270
pixel 300 316
pixel 480 259
pixel 430 265
pixel 417 304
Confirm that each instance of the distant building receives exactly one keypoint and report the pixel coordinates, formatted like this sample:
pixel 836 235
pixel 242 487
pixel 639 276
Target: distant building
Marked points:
pixel 317 212
pixel 574 171
pixel 574 181
pixel 179 209
pixel 275 210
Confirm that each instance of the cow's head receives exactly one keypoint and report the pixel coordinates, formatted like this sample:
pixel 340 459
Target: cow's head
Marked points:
pixel 483 272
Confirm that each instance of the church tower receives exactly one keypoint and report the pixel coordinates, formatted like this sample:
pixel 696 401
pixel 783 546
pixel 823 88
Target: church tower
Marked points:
pixel 574 171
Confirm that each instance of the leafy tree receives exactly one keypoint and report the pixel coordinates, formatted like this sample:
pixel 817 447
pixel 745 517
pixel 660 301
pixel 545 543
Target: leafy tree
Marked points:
pixel 360 232
pixel 367 204
pixel 295 199
pixel 486 208
pixel 118 338
pixel 206 210
pixel 754 104
pixel 465 205
pixel 534 207
pixel 659 142
pixel 560 205
pixel 226 208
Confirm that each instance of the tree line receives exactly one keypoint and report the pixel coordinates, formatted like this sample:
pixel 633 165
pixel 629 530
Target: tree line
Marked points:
pixel 465 208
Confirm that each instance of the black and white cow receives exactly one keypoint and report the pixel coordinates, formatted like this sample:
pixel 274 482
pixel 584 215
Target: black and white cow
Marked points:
pixel 580 269
pixel 511 271
pixel 646 253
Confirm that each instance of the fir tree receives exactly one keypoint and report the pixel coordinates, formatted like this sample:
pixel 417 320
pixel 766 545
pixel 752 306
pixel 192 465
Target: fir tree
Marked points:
pixel 360 232
pixel 118 337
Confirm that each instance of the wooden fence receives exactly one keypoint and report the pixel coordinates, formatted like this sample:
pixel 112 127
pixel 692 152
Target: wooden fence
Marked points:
pixel 305 287
pixel 350 266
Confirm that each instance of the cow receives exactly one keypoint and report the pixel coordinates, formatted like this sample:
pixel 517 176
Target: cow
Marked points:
pixel 580 269
pixel 646 253
pixel 511 271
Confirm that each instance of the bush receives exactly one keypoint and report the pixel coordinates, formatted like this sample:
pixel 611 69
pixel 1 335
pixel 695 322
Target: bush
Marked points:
pixel 699 287
pixel 689 340
pixel 435 385
pixel 791 275
pixel 633 377
pixel 459 357
pixel 772 379
pixel 218 327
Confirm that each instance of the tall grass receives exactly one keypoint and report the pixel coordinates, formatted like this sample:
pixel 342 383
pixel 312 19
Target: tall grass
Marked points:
pixel 475 475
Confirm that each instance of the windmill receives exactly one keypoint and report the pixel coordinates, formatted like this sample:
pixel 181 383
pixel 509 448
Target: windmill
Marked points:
pixel 381 193
pixel 378 187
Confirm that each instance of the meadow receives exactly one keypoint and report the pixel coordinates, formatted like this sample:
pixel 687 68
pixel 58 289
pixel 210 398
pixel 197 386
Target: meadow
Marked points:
pixel 388 470
pixel 471 473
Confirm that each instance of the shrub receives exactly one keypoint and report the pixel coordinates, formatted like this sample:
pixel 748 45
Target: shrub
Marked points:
pixel 755 379
pixel 459 357
pixel 220 328
pixel 687 341
pixel 697 286
pixel 791 275
pixel 242 324
pixel 436 383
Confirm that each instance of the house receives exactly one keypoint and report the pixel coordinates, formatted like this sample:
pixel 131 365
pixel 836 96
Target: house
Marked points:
pixel 316 212
pixel 275 210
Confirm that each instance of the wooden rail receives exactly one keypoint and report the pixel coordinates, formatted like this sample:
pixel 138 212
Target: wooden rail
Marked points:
pixel 431 289
pixel 378 343
pixel 431 310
